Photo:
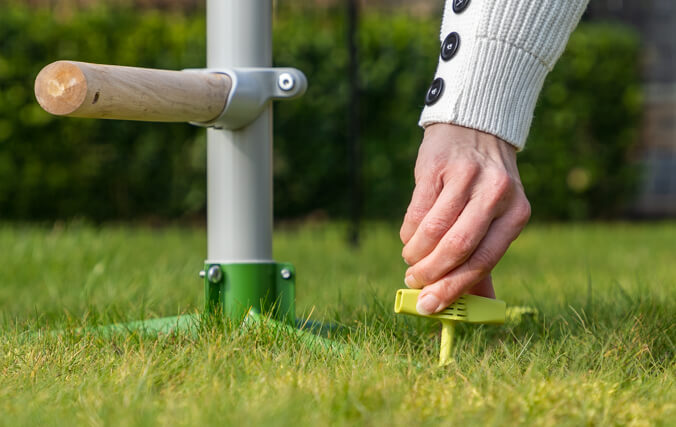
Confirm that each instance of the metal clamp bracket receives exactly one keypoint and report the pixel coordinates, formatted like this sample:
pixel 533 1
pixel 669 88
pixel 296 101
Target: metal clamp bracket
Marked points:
pixel 252 89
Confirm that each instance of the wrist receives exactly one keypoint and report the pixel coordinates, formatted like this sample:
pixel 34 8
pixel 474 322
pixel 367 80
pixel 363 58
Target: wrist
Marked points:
pixel 450 143
pixel 483 142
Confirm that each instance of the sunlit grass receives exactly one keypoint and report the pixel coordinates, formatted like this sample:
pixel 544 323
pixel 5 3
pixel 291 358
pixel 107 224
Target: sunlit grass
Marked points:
pixel 600 352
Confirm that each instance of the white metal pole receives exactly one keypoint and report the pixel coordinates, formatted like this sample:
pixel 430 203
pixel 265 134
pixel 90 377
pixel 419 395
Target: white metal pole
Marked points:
pixel 239 163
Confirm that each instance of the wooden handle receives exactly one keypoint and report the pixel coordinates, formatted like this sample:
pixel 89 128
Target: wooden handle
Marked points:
pixel 80 89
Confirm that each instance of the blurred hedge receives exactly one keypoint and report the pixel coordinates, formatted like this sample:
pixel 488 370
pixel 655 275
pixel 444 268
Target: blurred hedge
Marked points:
pixel 578 161
pixel 575 165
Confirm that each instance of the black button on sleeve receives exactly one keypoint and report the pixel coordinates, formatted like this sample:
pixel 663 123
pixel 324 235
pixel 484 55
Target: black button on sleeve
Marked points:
pixel 460 5
pixel 450 46
pixel 435 91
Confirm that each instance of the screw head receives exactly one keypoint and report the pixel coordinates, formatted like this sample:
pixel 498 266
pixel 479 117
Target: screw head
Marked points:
pixel 286 273
pixel 215 274
pixel 286 82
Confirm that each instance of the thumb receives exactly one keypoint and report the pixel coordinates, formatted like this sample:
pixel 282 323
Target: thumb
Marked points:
pixel 429 302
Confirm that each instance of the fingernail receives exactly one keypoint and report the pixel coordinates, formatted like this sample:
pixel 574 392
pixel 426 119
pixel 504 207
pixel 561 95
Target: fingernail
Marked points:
pixel 428 304
pixel 405 261
pixel 410 281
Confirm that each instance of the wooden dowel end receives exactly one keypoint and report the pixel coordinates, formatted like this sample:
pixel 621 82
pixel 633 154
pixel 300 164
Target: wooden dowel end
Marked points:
pixel 79 89
pixel 61 88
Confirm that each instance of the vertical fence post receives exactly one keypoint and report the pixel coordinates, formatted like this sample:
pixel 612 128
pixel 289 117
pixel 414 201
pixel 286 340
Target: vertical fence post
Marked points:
pixel 240 275
pixel 239 165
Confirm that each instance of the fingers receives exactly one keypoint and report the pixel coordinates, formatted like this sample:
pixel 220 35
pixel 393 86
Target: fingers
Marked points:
pixel 422 200
pixel 439 295
pixel 453 248
pixel 441 217
pixel 493 193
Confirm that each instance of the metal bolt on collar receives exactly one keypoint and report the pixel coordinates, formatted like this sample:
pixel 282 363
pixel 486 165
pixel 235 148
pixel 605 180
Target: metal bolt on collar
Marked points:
pixel 286 82
pixel 286 273
pixel 215 274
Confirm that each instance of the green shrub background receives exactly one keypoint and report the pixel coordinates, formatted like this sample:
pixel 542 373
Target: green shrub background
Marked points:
pixel 576 164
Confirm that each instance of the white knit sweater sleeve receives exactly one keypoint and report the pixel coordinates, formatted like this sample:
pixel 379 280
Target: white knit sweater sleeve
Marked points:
pixel 494 66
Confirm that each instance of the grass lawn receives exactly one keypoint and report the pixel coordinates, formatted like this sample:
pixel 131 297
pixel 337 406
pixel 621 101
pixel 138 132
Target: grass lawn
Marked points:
pixel 601 351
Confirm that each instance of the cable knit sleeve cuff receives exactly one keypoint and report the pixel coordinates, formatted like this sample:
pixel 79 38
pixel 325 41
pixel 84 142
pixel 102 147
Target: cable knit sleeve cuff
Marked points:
pixel 501 54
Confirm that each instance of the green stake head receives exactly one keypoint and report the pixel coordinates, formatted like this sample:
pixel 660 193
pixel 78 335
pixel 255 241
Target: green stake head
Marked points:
pixel 468 308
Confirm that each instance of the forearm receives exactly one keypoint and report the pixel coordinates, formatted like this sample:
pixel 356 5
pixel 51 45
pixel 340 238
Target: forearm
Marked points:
pixel 494 67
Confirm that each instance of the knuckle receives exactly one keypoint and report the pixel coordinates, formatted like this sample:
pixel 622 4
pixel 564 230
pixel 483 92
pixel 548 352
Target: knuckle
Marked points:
pixel 481 263
pixel 426 276
pixel 472 169
pixel 502 183
pixel 464 172
pixel 425 175
pixel 434 228
pixel 522 212
pixel 415 214
pixel 459 244
pixel 437 164
pixel 500 187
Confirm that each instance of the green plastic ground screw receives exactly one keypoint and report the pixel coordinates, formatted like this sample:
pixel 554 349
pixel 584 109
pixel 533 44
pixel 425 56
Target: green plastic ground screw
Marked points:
pixel 468 308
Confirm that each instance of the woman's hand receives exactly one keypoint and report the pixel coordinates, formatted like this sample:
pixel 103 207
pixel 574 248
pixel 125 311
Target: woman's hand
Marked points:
pixel 467 207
